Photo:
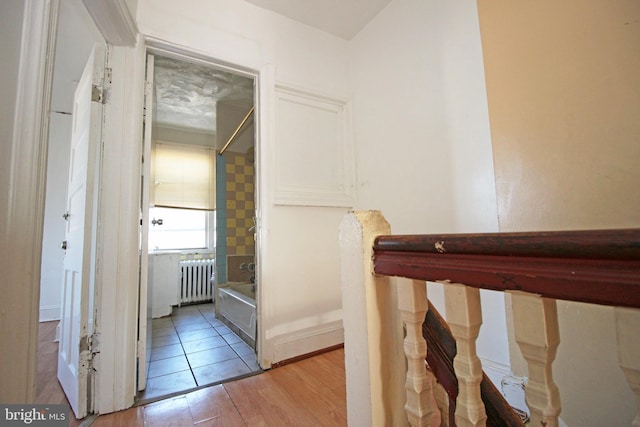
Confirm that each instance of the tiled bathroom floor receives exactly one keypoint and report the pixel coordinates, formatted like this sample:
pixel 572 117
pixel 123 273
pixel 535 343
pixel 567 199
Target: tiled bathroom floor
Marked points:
pixel 192 348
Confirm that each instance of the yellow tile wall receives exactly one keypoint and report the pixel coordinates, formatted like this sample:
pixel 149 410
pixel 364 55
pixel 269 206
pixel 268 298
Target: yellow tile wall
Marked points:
pixel 240 204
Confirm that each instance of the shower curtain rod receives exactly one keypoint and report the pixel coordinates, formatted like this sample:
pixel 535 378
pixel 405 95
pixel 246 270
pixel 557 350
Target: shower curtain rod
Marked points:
pixel 230 141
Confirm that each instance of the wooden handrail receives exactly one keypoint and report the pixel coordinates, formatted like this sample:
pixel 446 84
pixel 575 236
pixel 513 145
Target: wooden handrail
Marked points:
pixel 385 316
pixel 599 266
pixel 588 244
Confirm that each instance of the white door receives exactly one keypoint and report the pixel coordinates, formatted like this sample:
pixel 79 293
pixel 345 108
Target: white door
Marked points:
pixel 144 310
pixel 74 353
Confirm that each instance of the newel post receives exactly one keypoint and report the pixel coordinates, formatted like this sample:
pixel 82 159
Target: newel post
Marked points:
pixel 374 361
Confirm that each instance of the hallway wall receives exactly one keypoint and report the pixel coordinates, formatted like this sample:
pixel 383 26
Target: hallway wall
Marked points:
pixel 422 132
pixel 54 225
pixel 563 83
pixel 299 300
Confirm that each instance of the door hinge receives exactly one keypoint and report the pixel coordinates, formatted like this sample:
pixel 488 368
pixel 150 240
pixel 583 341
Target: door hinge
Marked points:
pixel 147 93
pixel 99 94
pixel 107 76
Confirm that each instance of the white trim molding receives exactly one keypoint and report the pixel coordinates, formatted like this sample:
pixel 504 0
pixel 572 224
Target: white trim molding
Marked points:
pixel 22 199
pixel 306 341
pixel 114 20
pixel 116 297
pixel 314 150
pixel 49 313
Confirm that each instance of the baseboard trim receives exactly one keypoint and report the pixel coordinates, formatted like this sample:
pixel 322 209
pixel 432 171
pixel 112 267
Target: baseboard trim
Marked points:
pixel 291 345
pixel 49 313
pixel 307 355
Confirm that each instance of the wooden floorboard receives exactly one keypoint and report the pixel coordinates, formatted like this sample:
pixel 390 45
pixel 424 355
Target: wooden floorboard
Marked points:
pixel 309 392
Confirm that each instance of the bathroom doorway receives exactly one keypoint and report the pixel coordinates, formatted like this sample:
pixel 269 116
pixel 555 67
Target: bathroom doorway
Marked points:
pixel 198 240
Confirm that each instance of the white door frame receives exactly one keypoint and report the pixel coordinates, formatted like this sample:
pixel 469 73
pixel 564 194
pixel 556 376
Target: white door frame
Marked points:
pixel 117 273
pixel 145 324
pixel 154 46
pixel 23 204
pixel 117 251
pixel 25 159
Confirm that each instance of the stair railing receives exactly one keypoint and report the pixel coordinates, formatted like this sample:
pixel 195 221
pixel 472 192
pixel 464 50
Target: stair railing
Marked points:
pixel 385 307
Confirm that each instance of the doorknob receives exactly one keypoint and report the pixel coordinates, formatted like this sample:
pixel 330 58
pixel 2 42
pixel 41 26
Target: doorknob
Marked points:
pixel 63 245
pixel 66 216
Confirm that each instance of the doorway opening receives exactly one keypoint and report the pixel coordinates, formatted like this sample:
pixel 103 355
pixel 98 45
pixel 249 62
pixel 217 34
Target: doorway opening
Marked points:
pixel 198 241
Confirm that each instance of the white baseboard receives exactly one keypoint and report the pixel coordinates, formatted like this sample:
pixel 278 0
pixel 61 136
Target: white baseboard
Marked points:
pixel 307 341
pixel 49 313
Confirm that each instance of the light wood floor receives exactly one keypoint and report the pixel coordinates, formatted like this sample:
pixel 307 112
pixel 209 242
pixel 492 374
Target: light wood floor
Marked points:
pixel 310 392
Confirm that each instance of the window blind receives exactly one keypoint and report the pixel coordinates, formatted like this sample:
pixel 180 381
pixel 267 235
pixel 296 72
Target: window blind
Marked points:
pixel 185 176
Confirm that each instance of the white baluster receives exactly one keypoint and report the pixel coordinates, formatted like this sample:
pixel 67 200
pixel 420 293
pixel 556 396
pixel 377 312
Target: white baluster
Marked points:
pixel 442 399
pixel 421 406
pixel 627 327
pixel 535 321
pixel 464 316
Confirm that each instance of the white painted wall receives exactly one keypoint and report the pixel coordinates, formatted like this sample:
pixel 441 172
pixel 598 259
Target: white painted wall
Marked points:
pixel 76 35
pixel 75 38
pixel 420 117
pixel 55 206
pixel 421 120
pixel 299 297
pixel 422 132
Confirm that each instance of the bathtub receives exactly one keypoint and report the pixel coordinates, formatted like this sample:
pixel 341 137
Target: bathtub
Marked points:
pixel 237 304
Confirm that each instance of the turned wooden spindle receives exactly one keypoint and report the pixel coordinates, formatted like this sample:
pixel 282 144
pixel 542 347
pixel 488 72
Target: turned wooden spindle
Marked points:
pixel 535 321
pixel 421 406
pixel 464 315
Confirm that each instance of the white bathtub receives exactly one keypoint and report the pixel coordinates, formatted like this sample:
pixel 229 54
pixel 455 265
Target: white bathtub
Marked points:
pixel 238 305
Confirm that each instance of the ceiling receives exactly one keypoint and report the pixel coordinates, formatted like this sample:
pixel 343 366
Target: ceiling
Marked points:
pixel 342 18
pixel 187 94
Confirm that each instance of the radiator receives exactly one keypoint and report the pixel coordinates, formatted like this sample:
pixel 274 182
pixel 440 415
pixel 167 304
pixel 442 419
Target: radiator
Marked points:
pixel 196 284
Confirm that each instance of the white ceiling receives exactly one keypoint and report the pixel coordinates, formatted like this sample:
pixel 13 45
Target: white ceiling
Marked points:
pixel 186 94
pixel 342 18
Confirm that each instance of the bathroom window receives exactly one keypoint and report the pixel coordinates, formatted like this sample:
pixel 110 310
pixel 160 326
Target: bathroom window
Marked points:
pixel 184 176
pixel 180 229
